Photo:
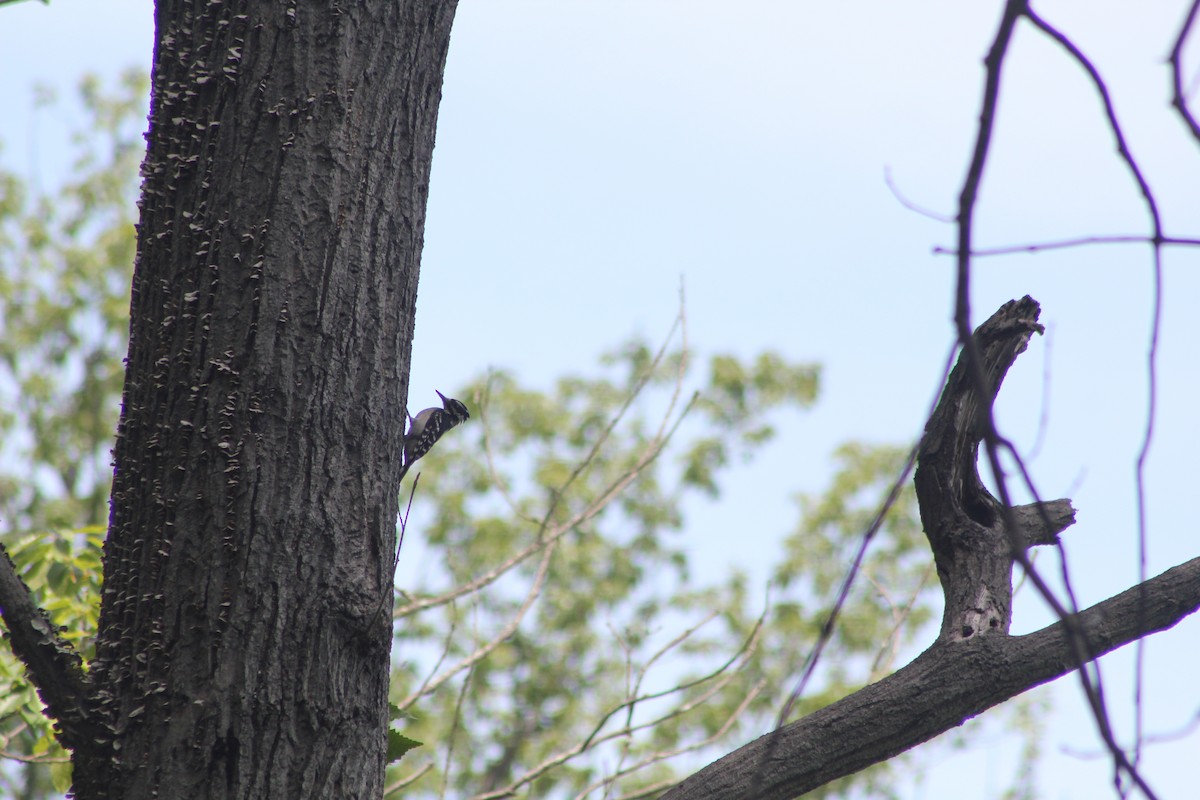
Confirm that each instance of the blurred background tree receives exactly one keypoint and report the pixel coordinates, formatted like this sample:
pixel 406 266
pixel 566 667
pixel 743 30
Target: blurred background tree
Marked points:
pixel 552 637
pixel 65 265
pixel 66 259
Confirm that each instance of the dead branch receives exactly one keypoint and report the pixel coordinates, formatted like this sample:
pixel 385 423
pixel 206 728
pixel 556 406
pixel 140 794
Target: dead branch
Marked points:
pixel 974 664
pixel 972 546
pixel 944 687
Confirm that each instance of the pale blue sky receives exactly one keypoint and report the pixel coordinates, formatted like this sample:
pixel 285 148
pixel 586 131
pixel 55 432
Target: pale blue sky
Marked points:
pixel 591 153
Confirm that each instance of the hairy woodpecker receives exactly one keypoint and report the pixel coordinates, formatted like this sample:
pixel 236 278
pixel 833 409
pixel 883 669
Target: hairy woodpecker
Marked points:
pixel 428 426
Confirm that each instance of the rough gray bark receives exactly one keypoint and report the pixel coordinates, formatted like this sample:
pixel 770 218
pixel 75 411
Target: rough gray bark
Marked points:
pixel 257 461
pixel 974 664
pixel 972 545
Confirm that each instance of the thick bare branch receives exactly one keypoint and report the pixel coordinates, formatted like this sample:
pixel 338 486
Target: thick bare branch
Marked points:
pixel 972 545
pixel 52 664
pixel 945 686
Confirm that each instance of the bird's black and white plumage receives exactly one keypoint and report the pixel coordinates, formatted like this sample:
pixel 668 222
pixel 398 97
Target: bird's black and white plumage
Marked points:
pixel 428 426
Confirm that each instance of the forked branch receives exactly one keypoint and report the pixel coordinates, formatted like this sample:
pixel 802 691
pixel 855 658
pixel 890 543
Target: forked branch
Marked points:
pixel 974 664
pixel 973 547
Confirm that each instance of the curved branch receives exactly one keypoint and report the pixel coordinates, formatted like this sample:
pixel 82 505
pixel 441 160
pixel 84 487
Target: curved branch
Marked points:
pixel 945 686
pixel 969 530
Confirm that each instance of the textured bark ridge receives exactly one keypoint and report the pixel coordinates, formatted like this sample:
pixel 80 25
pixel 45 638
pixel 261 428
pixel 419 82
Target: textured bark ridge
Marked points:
pixel 974 539
pixel 257 463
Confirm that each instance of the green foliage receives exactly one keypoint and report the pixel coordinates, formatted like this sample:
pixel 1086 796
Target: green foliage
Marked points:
pixel 897 568
pixel 734 390
pixel 398 745
pixel 62 569
pixel 65 264
pixel 555 639
pixel 66 261
pixel 555 619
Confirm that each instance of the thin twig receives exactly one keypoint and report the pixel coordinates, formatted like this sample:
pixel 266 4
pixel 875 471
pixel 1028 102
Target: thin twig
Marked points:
pixel 662 755
pixel 9 755
pixel 1151 368
pixel 899 617
pixel 407 781
pixel 970 190
pixel 722 675
pixel 493 472
pixel 579 748
pixel 911 206
pixel 1039 437
pixel 455 724
pixel 1178 95
pixel 843 594
pixel 391 586
pixel 679 323
pixel 644 671
pixel 653 449
pixel 1060 244
pixel 480 653
pixel 447 646
pixel 864 543
pixel 747 648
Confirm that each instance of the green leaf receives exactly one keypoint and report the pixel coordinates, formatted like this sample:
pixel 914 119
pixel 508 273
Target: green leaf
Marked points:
pixel 398 745
pixel 60 776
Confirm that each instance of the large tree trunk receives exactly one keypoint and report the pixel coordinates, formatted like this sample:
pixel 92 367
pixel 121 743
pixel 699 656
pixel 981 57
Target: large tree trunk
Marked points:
pixel 240 651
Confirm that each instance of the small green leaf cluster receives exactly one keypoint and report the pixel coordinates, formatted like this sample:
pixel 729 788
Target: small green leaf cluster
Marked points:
pixel 62 570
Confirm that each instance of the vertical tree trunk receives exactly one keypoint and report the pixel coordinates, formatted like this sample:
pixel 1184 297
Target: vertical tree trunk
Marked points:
pixel 254 501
